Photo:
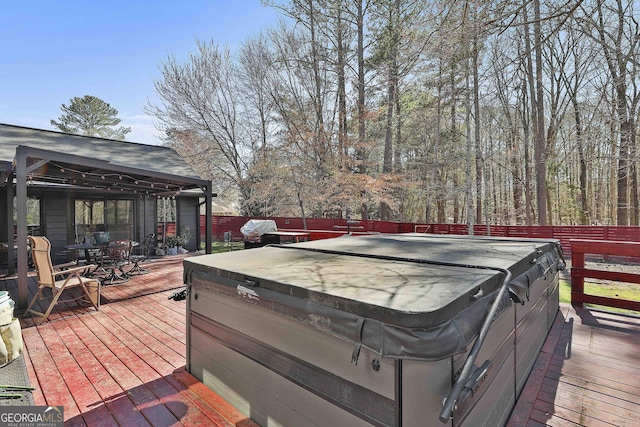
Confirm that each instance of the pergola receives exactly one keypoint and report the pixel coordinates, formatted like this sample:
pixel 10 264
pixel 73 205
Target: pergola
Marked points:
pixel 68 167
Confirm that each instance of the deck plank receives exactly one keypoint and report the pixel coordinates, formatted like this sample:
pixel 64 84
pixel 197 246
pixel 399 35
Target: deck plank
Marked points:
pixel 586 374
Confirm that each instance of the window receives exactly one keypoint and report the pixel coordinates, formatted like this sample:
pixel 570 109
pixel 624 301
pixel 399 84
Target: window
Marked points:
pixel 114 216
pixel 33 215
pixel 166 210
pixel 119 219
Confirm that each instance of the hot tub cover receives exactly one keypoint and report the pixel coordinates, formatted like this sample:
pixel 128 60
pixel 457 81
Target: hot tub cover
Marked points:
pixel 411 296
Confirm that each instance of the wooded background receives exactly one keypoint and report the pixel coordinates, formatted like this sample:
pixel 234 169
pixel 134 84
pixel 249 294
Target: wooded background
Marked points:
pixel 494 112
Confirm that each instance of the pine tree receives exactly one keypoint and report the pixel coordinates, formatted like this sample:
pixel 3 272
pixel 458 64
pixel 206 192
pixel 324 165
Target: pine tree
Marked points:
pixel 90 116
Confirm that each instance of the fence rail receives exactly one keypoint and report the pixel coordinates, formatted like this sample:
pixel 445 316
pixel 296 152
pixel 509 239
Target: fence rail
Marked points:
pixel 581 247
pixel 564 233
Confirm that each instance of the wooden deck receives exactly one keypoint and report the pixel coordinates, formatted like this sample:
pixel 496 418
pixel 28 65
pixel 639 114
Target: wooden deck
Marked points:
pixel 124 365
pixel 586 375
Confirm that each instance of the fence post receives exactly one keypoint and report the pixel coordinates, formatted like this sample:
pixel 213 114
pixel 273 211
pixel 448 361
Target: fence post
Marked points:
pixel 577 280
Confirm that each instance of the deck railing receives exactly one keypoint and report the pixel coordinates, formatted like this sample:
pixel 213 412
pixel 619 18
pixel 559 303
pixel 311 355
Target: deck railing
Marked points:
pixel 607 248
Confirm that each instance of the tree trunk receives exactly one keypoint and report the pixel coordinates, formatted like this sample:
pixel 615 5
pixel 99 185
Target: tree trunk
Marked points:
pixel 583 208
pixel 392 87
pixel 342 91
pixel 315 61
pixel 622 212
pixel 468 160
pixel 540 147
pixel 361 154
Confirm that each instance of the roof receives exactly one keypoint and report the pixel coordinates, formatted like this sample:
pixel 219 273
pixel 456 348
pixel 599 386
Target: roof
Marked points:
pixel 58 158
pixel 124 153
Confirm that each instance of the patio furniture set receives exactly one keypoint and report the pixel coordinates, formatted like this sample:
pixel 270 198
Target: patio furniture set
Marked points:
pixel 106 263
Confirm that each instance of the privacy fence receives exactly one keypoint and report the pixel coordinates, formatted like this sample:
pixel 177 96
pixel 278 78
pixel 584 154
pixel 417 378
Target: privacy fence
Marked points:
pixel 327 227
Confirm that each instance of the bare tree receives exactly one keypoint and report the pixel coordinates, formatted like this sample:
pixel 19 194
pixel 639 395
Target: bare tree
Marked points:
pixel 400 109
pixel 199 99
pixel 614 26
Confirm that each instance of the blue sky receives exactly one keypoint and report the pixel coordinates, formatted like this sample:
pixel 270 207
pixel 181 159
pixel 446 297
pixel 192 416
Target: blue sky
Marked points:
pixel 55 50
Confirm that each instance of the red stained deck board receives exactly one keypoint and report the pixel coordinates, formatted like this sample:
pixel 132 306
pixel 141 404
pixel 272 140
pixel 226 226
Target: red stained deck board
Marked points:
pixel 95 417
pixel 589 368
pixel 155 412
pixel 163 318
pixel 606 387
pixel 234 416
pixel 28 336
pixel 175 402
pixel 107 350
pixel 578 416
pixel 199 412
pixel 126 413
pixel 594 405
pixel 134 345
pixel 589 376
pixel 51 380
pixel 157 329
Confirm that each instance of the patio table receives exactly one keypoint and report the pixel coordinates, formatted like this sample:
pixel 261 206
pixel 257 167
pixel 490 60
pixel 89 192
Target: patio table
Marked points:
pixel 88 247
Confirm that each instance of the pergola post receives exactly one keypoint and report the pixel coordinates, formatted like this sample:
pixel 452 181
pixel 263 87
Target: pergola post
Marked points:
pixel 11 269
pixel 21 231
pixel 208 218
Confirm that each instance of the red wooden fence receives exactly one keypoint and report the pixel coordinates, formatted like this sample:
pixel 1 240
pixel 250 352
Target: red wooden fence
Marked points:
pixel 324 226
pixel 578 271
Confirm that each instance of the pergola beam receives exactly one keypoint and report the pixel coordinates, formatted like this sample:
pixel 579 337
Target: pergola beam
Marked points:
pixel 29 160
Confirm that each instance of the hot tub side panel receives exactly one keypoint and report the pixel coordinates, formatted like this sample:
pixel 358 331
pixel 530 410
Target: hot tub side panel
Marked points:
pixel 281 372
pixel 490 398
pixel 533 322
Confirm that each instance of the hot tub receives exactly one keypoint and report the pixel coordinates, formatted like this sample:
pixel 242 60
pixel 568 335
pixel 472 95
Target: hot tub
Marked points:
pixel 384 330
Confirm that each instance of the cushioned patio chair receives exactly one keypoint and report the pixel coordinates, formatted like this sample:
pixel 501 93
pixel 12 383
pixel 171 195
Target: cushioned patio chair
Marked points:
pixel 59 278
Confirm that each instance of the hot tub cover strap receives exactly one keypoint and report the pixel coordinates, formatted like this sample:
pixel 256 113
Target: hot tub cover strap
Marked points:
pixel 358 346
pixel 520 286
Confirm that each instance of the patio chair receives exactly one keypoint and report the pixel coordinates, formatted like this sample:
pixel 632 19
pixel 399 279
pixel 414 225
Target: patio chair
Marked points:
pixel 115 255
pixel 142 255
pixel 59 278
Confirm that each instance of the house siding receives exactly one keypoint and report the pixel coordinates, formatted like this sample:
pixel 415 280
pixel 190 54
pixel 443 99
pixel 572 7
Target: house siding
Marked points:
pixel 53 224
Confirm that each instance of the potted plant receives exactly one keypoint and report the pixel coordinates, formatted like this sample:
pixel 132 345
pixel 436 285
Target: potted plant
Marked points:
pixel 175 244
pixel 183 240
pixel 171 243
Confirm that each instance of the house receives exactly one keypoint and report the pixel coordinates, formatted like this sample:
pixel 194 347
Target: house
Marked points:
pixel 75 186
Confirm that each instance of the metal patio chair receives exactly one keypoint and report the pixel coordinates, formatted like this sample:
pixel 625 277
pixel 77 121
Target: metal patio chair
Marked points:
pixel 116 255
pixel 59 278
pixel 144 250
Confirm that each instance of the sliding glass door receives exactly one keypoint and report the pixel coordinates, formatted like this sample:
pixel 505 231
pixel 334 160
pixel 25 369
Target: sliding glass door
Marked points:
pixel 112 216
pixel 119 219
